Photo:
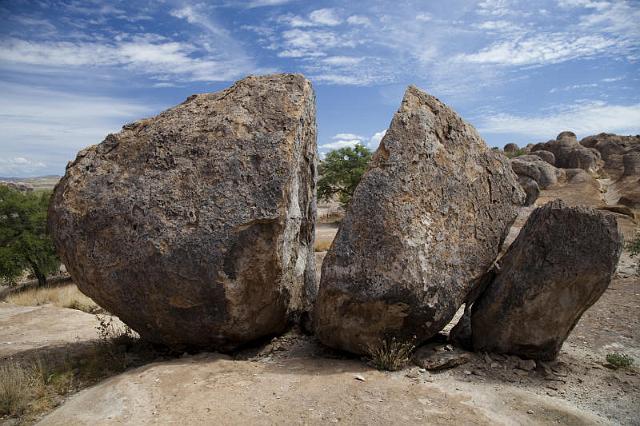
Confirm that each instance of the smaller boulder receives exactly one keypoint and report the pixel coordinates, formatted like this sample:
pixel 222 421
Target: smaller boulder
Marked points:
pixel 546 156
pixel 535 168
pixel 511 148
pixel 531 188
pixel 548 278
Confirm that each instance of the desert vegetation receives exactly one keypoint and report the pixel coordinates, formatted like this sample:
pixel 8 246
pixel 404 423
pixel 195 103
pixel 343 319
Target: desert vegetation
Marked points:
pixel 24 241
pixel 64 296
pixel 341 171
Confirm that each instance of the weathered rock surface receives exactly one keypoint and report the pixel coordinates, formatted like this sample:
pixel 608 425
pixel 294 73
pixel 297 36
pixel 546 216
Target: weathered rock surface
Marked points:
pixel 531 189
pixel 425 222
pixel 569 154
pixel 196 226
pixel 534 167
pixel 549 276
pixel 546 156
pixel 612 149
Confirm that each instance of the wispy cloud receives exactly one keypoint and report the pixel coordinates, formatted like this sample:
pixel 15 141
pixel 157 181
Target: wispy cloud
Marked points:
pixel 146 55
pixel 343 140
pixel 584 118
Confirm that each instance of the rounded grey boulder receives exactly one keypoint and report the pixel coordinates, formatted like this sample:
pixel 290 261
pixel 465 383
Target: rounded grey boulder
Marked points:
pixel 196 227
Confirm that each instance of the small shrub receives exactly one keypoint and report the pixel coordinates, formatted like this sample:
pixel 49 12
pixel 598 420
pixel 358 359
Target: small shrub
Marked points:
pixel 618 360
pixel 15 392
pixel 391 354
pixel 517 153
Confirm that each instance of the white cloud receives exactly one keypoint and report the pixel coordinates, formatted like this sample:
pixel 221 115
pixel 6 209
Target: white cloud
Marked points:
pixel 374 140
pixel 340 144
pixel 541 49
pixel 48 127
pixel 358 20
pixel 19 166
pixel 342 60
pixel 144 55
pixel 265 3
pixel 584 119
pixel 325 17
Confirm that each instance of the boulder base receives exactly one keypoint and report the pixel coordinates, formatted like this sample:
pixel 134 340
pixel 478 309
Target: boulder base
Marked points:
pixel 196 226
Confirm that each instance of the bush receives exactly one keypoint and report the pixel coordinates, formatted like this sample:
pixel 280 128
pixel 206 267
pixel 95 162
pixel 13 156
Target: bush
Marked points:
pixel 618 360
pixel 391 354
pixel 517 153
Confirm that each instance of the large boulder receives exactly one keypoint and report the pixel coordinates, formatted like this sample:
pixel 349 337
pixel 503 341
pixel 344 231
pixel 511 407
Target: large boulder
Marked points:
pixel 546 156
pixel 534 167
pixel 531 189
pixel 424 224
pixel 549 276
pixel 569 154
pixel 196 226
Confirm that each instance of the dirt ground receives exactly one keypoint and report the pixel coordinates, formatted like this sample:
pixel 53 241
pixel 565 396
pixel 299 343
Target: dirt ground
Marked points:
pixel 294 380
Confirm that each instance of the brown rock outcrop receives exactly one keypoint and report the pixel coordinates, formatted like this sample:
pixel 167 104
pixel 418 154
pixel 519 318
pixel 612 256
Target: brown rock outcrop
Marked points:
pixel 549 276
pixel 196 226
pixel 424 224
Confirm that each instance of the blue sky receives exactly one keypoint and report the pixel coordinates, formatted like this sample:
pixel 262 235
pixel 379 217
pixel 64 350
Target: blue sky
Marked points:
pixel 519 71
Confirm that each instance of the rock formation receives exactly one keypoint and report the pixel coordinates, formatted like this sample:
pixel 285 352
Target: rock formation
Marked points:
pixel 196 226
pixel 531 189
pixel 510 148
pixel 534 167
pixel 424 224
pixel 559 265
pixel 569 154
pixel 546 156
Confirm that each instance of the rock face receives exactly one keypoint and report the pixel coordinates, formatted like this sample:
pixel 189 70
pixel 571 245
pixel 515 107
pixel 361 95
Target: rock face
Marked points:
pixel 534 167
pixel 612 149
pixel 196 226
pixel 546 156
pixel 511 148
pixel 549 276
pixel 425 222
pixel 569 154
pixel 531 189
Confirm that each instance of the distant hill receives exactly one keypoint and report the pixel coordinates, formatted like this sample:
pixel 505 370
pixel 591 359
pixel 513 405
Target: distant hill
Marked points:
pixel 38 182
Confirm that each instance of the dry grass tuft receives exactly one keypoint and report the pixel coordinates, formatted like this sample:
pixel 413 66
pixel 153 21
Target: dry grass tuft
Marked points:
pixel 391 354
pixel 15 389
pixel 322 245
pixel 67 296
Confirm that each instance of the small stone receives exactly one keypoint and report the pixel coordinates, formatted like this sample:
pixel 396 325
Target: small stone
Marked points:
pixel 360 378
pixel 529 411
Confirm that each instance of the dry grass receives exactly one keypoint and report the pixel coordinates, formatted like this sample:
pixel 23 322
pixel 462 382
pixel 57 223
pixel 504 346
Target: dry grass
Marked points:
pixel 322 245
pixel 67 296
pixel 15 389
pixel 391 354
pixel 36 385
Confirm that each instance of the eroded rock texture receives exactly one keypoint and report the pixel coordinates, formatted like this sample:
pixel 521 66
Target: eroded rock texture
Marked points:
pixel 558 266
pixel 569 154
pixel 196 226
pixel 425 222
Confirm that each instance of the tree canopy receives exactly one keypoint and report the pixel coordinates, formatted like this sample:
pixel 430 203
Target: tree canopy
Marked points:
pixel 24 242
pixel 341 171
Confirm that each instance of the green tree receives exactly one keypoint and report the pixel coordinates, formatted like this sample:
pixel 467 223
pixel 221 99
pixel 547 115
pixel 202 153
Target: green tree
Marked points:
pixel 341 171
pixel 24 242
pixel 634 248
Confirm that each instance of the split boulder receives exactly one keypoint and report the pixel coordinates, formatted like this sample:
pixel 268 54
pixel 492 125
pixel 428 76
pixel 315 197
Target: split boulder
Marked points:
pixel 196 227
pixel 424 224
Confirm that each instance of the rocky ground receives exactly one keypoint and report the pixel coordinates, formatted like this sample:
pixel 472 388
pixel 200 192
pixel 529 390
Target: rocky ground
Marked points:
pixel 293 379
